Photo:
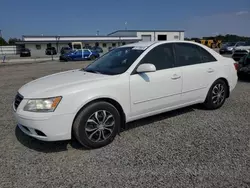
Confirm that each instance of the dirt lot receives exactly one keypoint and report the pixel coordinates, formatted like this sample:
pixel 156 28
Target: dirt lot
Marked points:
pixel 189 147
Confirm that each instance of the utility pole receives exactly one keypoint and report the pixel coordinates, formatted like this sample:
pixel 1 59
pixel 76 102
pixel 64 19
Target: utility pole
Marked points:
pixel 1 36
pixel 1 43
pixel 126 23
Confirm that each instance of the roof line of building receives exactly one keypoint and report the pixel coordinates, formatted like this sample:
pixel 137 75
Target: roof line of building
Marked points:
pixel 149 30
pixel 65 36
pixel 69 41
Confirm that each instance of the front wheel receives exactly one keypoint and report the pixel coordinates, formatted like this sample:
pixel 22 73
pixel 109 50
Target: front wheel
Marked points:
pixel 217 95
pixel 97 125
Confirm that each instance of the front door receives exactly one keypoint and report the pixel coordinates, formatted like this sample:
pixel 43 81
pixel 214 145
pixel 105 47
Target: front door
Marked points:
pixel 154 91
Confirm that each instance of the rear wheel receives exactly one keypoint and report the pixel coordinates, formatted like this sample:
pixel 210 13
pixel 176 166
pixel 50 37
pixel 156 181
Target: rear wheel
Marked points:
pixel 97 125
pixel 217 95
pixel 92 57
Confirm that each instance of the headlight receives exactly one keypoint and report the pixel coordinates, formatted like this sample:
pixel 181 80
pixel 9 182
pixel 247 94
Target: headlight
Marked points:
pixel 42 105
pixel 229 48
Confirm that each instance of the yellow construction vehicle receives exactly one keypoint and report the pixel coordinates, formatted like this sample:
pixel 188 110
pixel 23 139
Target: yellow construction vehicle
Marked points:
pixel 211 43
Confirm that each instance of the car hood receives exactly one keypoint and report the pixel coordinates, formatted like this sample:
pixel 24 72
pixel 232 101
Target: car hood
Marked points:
pixel 57 84
pixel 242 48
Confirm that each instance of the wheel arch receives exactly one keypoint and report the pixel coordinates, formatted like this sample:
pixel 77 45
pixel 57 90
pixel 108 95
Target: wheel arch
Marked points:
pixel 114 102
pixel 228 86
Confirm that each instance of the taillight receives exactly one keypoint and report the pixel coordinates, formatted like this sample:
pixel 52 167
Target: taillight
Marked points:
pixel 236 66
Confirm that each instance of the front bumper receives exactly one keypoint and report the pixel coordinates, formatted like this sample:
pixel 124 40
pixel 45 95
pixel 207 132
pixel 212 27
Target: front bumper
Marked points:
pixel 63 58
pixel 45 126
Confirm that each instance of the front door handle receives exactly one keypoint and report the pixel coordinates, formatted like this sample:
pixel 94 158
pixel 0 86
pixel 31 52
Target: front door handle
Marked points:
pixel 175 77
pixel 210 70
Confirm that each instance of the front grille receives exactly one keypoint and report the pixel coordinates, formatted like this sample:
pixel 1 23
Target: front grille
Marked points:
pixel 18 100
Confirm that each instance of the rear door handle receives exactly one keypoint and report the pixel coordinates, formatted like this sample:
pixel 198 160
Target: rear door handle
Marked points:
pixel 175 77
pixel 210 70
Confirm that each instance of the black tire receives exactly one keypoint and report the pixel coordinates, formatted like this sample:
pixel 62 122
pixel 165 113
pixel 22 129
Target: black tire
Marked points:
pixel 210 102
pixel 92 57
pixel 68 59
pixel 82 122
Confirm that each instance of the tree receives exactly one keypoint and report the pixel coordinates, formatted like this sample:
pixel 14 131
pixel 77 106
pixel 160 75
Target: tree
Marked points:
pixel 12 41
pixel 2 42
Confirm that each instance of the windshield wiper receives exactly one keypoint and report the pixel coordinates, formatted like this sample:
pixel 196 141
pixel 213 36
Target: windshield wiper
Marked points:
pixel 92 71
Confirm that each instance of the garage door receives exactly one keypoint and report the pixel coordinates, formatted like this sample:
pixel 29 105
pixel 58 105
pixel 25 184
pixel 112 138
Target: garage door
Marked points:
pixel 146 37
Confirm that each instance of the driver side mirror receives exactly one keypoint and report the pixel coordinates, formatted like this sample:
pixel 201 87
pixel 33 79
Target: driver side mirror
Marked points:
pixel 147 67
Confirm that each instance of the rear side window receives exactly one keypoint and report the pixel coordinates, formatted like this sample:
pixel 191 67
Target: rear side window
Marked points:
pixel 190 54
pixel 161 56
pixel 186 54
pixel 206 57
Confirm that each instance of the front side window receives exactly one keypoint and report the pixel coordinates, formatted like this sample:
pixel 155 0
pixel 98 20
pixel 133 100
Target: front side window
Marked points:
pixel 116 61
pixel 161 56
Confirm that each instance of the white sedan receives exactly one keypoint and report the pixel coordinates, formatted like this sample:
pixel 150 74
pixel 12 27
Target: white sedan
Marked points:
pixel 128 83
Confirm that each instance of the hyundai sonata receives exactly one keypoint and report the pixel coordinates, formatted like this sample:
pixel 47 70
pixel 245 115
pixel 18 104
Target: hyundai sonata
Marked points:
pixel 128 83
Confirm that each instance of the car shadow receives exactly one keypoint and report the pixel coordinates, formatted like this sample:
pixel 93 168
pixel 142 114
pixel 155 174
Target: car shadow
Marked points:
pixel 60 146
pixel 244 79
pixel 159 117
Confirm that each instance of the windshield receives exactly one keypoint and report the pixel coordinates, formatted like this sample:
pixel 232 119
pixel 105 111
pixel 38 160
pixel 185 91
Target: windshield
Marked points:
pixel 116 61
pixel 231 43
pixel 247 43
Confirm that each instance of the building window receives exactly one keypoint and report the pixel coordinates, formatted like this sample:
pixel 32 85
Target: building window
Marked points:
pixel 38 46
pixel 49 45
pixel 162 37
pixel 176 37
pixel 113 44
pixel 104 45
pixel 77 46
pixel 123 43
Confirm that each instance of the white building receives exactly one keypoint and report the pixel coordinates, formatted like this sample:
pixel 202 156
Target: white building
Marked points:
pixel 151 35
pixel 38 44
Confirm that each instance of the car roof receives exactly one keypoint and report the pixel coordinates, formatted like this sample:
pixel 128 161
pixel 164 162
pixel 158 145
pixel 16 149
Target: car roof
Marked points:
pixel 144 44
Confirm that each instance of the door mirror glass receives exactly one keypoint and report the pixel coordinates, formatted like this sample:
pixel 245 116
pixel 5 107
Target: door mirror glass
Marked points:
pixel 146 67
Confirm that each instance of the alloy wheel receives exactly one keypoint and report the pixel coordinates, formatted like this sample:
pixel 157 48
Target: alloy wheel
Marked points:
pixel 218 94
pixel 100 126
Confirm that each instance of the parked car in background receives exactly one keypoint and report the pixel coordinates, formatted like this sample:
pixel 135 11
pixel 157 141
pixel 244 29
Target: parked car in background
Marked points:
pixel 98 49
pixel 79 55
pixel 50 51
pixel 25 52
pixel 241 51
pixel 65 50
pixel 130 82
pixel 244 67
pixel 229 47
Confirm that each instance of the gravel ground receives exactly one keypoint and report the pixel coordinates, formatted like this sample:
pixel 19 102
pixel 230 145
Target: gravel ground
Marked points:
pixel 189 147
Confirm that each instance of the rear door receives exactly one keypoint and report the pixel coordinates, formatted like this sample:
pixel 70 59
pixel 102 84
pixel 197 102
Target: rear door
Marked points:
pixel 86 54
pixel 198 68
